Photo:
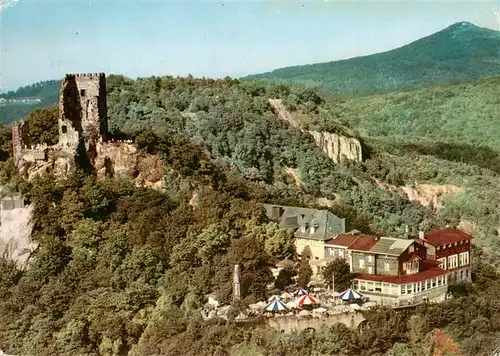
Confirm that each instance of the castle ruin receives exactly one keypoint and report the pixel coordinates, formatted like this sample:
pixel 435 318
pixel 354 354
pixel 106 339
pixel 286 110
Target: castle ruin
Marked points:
pixel 83 139
pixel 83 120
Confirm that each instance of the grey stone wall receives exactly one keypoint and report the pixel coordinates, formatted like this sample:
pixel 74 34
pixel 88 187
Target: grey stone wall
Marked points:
pixel 293 323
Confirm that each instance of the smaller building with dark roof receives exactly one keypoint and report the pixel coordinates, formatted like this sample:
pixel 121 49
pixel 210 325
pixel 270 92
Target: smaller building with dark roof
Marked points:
pixel 312 227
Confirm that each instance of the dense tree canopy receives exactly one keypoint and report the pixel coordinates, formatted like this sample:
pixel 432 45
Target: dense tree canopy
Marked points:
pixel 124 269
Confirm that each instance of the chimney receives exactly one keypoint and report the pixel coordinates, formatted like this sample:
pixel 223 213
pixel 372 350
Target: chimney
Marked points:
pixel 421 235
pixel 236 283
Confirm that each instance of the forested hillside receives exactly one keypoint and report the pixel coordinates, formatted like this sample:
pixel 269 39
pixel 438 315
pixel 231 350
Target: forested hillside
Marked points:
pixel 234 122
pixel 122 270
pixel 440 135
pixel 106 280
pixel 459 52
pixel 47 91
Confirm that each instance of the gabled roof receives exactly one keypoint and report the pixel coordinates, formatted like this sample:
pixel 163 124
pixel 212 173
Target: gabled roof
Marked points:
pixel 446 236
pixel 391 246
pixel 318 224
pixel 342 240
pixel 363 243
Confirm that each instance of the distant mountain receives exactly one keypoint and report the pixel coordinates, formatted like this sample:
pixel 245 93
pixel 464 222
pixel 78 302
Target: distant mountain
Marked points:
pixel 459 52
pixel 13 107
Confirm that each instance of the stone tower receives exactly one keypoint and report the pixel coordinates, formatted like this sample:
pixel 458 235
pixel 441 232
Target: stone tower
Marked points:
pixel 83 120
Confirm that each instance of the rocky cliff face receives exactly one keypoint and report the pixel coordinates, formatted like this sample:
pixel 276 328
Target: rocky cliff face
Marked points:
pixel 338 147
pixel 334 145
pixel 124 159
pixel 428 195
pixel 15 235
pixel 112 159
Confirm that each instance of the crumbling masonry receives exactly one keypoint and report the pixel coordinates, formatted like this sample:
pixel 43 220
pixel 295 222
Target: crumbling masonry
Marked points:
pixel 83 139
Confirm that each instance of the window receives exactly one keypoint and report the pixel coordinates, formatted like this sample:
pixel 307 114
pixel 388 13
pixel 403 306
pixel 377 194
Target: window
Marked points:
pixel 464 258
pixel 341 253
pixel 64 129
pixel 453 261
pixel 82 92
pixel 387 266
pixel 411 248
pixel 361 263
pixel 370 270
pixel 442 262
pixel 403 289
pixel 313 229
pixel 370 258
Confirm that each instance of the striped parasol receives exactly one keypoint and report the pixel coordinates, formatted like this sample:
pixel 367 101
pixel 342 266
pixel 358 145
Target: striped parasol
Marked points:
pixel 305 300
pixel 300 292
pixel 350 294
pixel 276 306
pixel 273 298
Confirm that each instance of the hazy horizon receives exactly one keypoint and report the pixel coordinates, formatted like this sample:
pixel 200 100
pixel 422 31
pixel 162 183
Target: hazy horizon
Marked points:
pixel 44 40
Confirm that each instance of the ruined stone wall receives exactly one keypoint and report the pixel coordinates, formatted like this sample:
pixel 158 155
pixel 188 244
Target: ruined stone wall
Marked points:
pixel 83 113
pixel 83 139
pixel 293 323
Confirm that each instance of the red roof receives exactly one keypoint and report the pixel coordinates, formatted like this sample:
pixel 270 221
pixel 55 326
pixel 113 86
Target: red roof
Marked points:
pixel 431 270
pixel 363 243
pixel 342 240
pixel 446 236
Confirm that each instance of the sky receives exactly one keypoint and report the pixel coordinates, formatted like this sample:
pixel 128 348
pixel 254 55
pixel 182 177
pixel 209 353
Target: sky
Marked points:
pixel 43 40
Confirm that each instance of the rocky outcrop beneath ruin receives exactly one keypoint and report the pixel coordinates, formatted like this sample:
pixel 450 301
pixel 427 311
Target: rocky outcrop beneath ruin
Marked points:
pixel 124 159
pixel 336 146
pixel 112 159
pixel 15 235
pixel 428 195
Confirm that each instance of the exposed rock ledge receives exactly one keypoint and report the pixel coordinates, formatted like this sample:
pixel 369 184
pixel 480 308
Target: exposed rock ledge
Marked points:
pixel 428 195
pixel 113 158
pixel 335 146
pixel 15 236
